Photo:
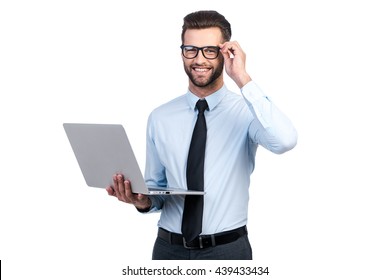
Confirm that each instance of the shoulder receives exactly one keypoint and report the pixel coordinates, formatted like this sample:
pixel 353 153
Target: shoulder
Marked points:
pixel 167 109
pixel 233 99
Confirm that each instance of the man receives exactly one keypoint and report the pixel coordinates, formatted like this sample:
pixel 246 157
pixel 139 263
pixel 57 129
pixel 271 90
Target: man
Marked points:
pixel 236 125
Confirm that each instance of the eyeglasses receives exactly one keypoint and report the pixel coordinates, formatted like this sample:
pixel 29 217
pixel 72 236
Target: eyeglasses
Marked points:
pixel 209 52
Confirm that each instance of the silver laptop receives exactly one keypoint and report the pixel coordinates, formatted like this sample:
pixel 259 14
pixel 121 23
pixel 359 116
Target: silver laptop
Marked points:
pixel 103 150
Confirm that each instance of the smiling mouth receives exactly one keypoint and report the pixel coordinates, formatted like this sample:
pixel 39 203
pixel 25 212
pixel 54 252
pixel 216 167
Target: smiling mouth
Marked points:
pixel 200 70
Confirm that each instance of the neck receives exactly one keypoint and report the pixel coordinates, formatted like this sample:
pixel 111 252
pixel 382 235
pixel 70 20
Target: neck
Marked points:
pixel 203 92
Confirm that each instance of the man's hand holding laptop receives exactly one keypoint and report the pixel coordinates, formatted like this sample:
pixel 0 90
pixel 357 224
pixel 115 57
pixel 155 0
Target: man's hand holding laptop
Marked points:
pixel 122 190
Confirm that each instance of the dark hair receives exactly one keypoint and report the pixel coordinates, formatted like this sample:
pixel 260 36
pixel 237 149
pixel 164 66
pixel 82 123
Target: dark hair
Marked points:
pixel 207 19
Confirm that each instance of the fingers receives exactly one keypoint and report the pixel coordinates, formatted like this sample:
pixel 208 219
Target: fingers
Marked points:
pixel 122 188
pixel 234 56
pixel 122 191
pixel 235 59
pixel 127 190
pixel 230 49
pixel 110 190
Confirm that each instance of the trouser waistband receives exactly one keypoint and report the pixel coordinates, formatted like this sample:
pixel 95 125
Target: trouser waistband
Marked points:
pixel 203 241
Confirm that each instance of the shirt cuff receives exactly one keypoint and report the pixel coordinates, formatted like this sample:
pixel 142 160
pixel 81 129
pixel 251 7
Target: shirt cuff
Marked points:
pixel 253 93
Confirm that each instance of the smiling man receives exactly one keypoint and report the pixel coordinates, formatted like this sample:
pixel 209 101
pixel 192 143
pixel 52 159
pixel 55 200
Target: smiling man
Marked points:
pixel 204 71
pixel 206 140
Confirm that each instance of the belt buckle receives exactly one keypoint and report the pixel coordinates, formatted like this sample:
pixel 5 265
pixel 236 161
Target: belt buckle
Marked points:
pixel 193 247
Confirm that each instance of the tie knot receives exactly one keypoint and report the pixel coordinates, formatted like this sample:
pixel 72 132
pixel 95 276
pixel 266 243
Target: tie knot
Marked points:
pixel 202 105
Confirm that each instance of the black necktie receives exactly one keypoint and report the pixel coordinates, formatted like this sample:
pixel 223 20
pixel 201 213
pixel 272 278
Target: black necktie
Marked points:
pixel 193 204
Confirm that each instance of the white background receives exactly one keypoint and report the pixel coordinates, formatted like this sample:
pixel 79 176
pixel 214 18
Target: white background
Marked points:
pixel 320 211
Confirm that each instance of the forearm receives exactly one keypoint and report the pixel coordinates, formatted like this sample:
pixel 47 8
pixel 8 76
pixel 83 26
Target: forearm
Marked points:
pixel 242 79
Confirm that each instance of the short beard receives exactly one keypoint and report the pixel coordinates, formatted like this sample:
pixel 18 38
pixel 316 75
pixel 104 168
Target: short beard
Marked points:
pixel 215 75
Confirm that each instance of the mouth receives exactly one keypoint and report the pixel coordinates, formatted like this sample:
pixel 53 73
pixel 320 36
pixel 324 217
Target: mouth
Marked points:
pixel 201 70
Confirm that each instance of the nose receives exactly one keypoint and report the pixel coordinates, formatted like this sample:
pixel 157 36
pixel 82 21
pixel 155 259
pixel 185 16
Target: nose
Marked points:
pixel 200 57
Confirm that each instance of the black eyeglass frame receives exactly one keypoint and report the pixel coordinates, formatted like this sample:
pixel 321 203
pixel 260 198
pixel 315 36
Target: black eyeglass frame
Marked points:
pixel 200 49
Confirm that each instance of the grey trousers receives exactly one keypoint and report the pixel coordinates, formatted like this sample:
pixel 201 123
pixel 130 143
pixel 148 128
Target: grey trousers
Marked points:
pixel 236 250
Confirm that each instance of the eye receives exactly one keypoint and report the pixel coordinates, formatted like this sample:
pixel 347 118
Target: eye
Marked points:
pixel 190 50
pixel 210 50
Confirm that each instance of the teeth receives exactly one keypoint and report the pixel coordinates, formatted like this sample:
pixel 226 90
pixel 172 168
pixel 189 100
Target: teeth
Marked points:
pixel 200 69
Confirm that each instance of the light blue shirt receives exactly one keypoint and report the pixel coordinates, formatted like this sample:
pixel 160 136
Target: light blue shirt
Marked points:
pixel 236 125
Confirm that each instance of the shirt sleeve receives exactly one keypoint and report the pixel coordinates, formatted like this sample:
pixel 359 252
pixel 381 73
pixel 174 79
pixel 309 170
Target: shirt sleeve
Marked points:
pixel 271 128
pixel 154 170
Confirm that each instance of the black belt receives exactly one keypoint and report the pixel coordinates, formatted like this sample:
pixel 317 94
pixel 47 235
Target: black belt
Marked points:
pixel 203 241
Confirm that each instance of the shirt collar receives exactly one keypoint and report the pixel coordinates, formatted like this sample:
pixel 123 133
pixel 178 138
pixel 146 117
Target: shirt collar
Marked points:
pixel 212 100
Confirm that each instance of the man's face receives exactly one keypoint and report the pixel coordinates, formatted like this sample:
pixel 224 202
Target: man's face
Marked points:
pixel 201 71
